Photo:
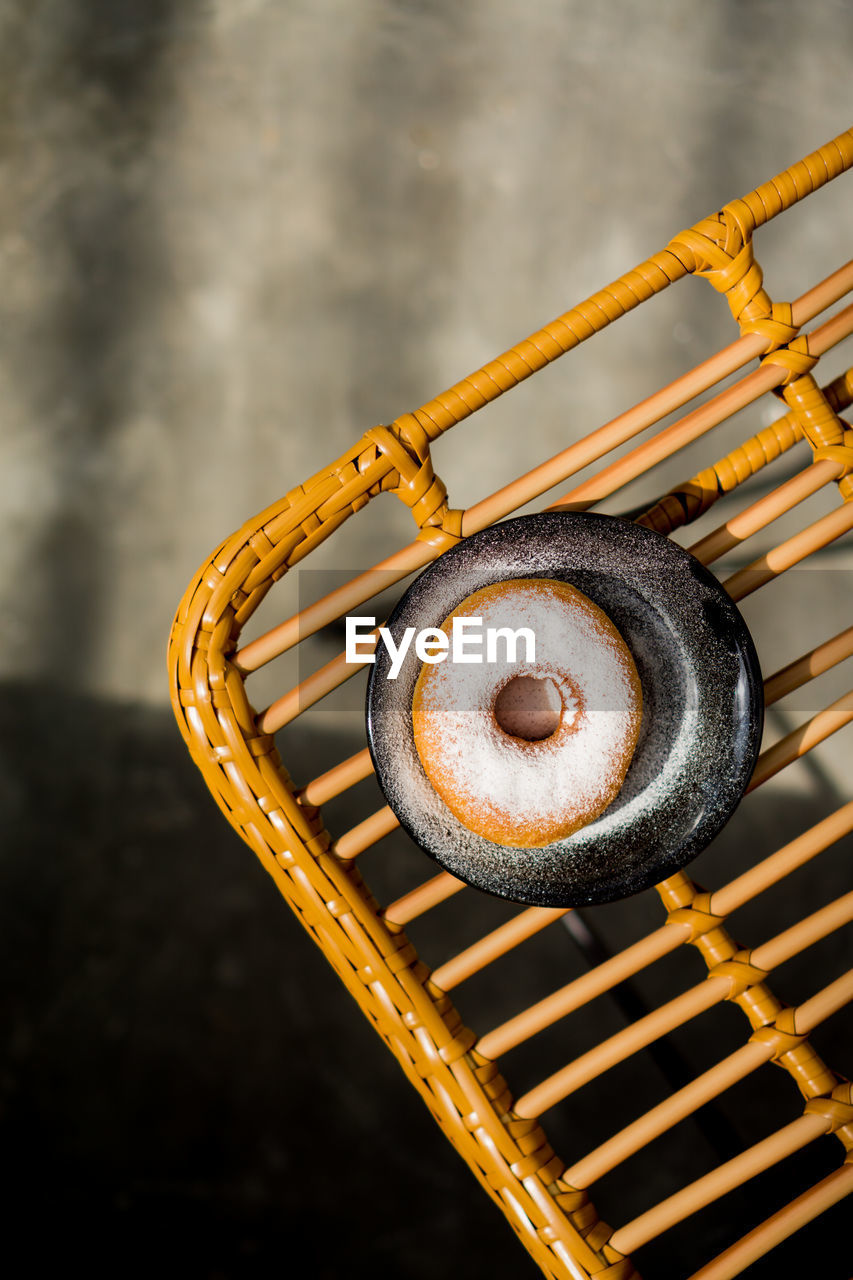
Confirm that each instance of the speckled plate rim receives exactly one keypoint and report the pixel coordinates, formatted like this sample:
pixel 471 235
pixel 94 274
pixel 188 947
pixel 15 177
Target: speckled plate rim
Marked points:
pixel 702 694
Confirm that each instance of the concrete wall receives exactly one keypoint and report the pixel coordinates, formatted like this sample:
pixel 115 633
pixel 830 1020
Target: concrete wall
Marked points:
pixel 235 234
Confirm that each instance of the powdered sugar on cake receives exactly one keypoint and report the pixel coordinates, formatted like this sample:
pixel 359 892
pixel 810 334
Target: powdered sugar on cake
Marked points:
pixel 519 792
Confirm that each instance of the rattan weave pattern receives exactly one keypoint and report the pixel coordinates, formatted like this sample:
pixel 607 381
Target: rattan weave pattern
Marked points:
pixel 457 1074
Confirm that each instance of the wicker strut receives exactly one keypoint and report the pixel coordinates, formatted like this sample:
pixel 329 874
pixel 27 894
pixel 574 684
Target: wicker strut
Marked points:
pixel 457 1072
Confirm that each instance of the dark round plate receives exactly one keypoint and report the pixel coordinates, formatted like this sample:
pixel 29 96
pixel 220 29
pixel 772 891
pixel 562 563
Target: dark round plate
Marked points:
pixel 703 708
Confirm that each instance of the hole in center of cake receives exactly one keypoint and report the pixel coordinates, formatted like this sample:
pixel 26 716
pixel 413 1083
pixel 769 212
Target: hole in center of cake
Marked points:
pixel 529 707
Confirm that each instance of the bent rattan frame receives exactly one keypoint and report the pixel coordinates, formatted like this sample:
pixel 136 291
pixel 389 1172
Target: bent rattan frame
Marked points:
pixel 457 1072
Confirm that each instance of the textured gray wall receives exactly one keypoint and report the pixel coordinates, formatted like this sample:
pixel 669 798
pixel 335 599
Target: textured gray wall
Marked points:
pixel 233 234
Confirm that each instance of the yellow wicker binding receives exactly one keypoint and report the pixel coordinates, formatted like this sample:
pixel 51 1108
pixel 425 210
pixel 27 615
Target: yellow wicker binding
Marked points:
pixel 455 1069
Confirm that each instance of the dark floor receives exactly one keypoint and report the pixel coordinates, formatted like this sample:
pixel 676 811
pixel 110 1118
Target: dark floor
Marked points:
pixel 189 1090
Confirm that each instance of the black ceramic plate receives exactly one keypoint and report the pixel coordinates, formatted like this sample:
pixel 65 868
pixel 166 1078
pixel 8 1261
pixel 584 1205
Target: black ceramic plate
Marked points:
pixel 702 708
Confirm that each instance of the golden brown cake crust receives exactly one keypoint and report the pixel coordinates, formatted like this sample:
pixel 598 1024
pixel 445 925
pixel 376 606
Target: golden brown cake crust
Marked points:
pixel 510 790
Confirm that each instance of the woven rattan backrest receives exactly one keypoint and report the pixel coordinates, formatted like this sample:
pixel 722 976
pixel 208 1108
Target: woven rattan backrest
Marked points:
pixel 457 1065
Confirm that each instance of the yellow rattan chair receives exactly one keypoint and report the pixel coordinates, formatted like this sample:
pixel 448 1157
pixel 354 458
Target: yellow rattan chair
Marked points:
pixel 549 1198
